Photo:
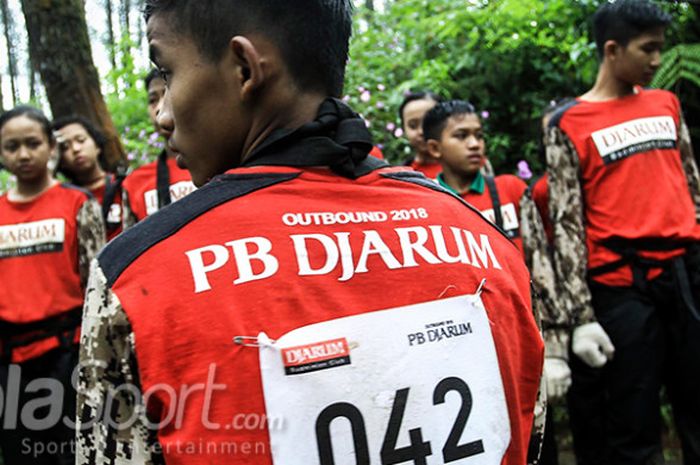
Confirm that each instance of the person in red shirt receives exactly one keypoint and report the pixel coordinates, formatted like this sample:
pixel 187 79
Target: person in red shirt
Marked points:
pixel 49 233
pixel 154 185
pixel 624 200
pixel 412 110
pixel 81 148
pixel 290 276
pixel 455 139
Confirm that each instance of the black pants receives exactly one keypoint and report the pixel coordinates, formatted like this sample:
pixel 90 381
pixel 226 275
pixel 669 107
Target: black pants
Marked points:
pixel 41 440
pixel 615 410
pixel 550 454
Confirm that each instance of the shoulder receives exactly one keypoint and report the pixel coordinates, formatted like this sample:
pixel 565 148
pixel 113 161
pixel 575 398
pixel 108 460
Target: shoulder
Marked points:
pixel 556 118
pixel 132 243
pixel 418 181
pixel 74 194
pixel 139 174
pixel 511 183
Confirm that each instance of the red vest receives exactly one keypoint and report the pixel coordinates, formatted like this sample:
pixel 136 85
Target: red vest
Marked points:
pixel 510 191
pixel 39 261
pixel 141 187
pixel 184 317
pixel 430 170
pixel 633 182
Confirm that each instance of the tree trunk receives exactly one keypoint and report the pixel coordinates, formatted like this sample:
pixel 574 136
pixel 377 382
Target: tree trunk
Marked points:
pixel 8 26
pixel 369 4
pixel 59 42
pixel 2 105
pixel 112 45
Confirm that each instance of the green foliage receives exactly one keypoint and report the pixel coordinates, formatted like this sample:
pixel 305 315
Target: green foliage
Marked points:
pixel 510 58
pixel 681 62
pixel 6 181
pixel 128 104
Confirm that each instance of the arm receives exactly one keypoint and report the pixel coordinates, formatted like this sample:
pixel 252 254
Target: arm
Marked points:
pixel 589 340
pixel 555 318
pixel 566 215
pixel 690 167
pixel 91 236
pixel 108 375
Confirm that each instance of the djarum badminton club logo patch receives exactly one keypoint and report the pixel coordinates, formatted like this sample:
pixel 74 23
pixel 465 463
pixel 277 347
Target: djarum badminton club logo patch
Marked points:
pixel 317 356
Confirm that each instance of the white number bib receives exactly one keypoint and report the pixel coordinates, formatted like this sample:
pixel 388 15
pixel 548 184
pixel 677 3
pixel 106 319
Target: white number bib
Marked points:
pixel 418 384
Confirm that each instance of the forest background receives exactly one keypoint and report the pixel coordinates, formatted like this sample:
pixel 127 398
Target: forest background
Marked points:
pixel 509 57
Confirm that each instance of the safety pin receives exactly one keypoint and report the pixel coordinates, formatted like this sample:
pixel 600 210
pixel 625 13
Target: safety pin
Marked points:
pixel 243 341
pixel 480 288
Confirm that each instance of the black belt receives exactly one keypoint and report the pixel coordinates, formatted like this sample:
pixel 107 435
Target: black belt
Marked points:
pixel 628 250
pixel 15 335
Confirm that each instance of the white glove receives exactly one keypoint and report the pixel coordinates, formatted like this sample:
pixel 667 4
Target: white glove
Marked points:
pixel 558 377
pixel 592 345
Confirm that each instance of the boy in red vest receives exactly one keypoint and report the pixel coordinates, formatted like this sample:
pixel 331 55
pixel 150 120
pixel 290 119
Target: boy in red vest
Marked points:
pixel 157 184
pixel 624 202
pixel 273 316
pixel 454 137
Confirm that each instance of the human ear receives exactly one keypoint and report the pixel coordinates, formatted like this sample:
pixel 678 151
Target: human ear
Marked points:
pixel 250 70
pixel 610 49
pixel 433 147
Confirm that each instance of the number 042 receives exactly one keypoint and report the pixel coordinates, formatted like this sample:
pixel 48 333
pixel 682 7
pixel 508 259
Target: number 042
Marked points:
pixel 390 454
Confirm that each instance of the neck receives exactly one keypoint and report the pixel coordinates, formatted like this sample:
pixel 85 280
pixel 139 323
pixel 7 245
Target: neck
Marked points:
pixel 424 158
pixel 607 87
pixel 27 190
pixel 92 179
pixel 301 109
pixel 460 182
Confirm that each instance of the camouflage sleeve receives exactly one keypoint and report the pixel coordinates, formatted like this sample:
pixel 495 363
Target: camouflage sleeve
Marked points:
pixel 566 214
pixel 128 217
pixel 91 236
pixel 690 167
pixel 112 426
pixel 555 318
pixel 538 425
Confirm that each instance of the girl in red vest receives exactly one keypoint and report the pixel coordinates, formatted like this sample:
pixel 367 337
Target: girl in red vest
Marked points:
pixel 49 233
pixel 414 107
pixel 82 161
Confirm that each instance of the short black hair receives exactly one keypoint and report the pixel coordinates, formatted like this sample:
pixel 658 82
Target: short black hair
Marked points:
pixel 312 35
pixel 152 74
pixel 435 120
pixel 623 20
pixel 31 113
pixel 419 95
pixel 97 136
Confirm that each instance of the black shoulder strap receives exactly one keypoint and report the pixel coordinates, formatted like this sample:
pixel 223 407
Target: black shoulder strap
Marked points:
pixel 133 242
pixel 163 180
pixel 495 199
pixel 559 113
pixel 112 189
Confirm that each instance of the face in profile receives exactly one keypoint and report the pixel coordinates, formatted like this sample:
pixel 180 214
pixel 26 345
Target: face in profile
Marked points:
pixel 201 108
pixel 638 61
pixel 26 148
pixel 156 92
pixel 413 114
pixel 79 152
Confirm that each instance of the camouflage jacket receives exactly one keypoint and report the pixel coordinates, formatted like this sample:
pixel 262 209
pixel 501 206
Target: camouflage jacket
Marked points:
pixel 112 426
pixel 548 296
pixel 567 216
pixel 91 236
